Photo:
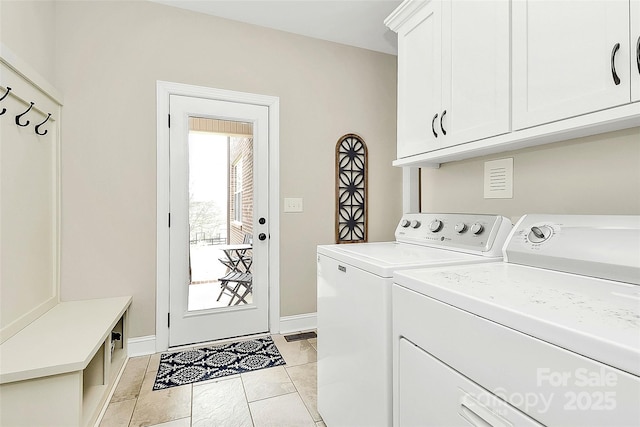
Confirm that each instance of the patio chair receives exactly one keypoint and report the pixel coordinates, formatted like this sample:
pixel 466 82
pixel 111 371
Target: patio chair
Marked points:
pixel 236 284
pixel 240 258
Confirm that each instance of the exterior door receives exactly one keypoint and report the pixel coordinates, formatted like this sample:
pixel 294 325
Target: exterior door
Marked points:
pixel 222 176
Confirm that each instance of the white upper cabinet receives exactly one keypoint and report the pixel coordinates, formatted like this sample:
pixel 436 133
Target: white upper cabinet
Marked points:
pixel 475 70
pixel 635 50
pixel 419 75
pixel 570 57
pixel 453 72
pixel 478 77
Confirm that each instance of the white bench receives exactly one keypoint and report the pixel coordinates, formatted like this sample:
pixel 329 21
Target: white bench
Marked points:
pixel 60 369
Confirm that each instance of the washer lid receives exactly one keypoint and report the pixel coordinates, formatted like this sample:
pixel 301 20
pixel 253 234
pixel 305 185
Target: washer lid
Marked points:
pixel 383 258
pixel 596 318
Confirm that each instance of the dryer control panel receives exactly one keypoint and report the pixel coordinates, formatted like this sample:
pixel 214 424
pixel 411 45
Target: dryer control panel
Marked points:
pixel 604 246
pixel 471 233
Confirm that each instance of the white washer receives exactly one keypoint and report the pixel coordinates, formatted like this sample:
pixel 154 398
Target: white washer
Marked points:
pixel 354 306
pixel 549 336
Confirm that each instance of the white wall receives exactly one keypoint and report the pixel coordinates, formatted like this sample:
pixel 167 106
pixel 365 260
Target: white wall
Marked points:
pixel 599 174
pixel 109 56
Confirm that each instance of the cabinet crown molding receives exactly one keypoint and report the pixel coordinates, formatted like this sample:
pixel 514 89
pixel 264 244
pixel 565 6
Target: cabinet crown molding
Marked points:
pixel 403 12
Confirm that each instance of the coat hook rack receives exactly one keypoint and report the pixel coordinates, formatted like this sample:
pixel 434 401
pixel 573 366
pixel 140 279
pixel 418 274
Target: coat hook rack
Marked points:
pixel 38 126
pixel 19 116
pixel 4 110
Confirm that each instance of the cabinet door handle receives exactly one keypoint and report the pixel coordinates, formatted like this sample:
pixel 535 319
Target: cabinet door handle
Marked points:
pixel 616 79
pixel 433 129
pixel 638 54
pixel 444 132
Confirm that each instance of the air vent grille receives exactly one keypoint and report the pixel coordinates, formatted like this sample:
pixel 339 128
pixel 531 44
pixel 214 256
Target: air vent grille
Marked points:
pixel 498 179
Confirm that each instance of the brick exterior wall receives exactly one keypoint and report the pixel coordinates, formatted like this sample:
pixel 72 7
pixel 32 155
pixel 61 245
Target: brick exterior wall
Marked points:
pixel 241 148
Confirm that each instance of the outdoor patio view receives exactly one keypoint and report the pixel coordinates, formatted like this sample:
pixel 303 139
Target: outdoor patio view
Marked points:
pixel 220 213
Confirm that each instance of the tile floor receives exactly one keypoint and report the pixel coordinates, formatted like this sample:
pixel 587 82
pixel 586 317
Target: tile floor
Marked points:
pixel 281 396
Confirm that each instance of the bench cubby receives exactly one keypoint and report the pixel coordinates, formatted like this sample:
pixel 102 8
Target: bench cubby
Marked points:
pixel 60 369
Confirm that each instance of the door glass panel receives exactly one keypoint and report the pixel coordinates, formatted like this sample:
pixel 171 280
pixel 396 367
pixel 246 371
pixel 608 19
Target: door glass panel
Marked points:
pixel 220 213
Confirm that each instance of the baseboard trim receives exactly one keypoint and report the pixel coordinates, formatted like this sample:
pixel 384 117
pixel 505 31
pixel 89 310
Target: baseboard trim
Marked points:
pixel 298 322
pixel 141 346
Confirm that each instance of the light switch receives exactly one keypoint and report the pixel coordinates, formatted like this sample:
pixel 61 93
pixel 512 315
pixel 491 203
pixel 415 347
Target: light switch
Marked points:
pixel 292 204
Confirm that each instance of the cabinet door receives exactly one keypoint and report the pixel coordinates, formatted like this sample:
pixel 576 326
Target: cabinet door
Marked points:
pixel 635 50
pixel 564 63
pixel 475 70
pixel 419 75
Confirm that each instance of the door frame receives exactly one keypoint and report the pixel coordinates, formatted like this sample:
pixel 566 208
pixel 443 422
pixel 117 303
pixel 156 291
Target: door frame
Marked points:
pixel 163 91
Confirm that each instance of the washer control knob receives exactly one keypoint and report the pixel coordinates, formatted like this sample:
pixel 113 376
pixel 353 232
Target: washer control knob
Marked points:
pixel 461 227
pixel 436 225
pixel 415 224
pixel 405 223
pixel 539 234
pixel 477 228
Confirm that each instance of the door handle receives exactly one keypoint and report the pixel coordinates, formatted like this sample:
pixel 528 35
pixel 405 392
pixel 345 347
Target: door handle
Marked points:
pixel 433 128
pixel 444 132
pixel 262 236
pixel 479 415
pixel 638 54
pixel 616 79
pixel 262 221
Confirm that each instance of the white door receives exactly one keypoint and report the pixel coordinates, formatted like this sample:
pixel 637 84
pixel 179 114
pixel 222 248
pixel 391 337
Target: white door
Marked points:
pixel 635 50
pixel 431 393
pixel 419 75
pixel 569 58
pixel 223 315
pixel 475 70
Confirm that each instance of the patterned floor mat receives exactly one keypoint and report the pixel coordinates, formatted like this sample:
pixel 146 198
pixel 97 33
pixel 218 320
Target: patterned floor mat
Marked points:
pixel 201 364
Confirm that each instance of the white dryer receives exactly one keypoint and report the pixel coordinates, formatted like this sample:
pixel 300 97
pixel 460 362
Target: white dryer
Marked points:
pixel 549 336
pixel 354 306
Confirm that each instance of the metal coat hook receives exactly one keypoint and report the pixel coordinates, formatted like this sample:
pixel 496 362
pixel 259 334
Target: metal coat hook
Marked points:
pixel 20 115
pixel 4 110
pixel 38 126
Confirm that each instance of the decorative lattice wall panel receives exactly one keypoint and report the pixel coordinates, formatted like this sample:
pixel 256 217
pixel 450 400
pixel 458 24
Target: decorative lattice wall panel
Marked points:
pixel 351 189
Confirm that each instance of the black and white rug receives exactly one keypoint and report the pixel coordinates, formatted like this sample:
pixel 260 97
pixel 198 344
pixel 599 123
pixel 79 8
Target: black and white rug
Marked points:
pixel 201 364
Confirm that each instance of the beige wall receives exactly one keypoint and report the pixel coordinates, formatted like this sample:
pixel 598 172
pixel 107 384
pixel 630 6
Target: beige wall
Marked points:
pixel 105 58
pixel 593 175
pixel 28 29
pixel 108 56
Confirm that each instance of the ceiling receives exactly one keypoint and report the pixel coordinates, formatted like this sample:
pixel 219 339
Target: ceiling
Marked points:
pixel 356 23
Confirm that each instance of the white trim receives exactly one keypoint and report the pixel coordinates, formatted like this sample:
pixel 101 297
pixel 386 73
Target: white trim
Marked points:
pixel 32 84
pixel 274 215
pixel 141 346
pixel 612 119
pixel 27 72
pixel 298 322
pixel 29 317
pixel 399 16
pixel 410 190
pixel 219 342
pixel 163 92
